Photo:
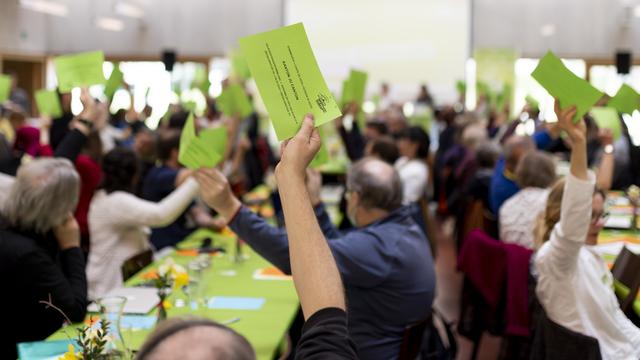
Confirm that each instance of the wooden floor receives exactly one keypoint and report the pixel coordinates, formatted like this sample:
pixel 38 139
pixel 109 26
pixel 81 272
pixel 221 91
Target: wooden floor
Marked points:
pixel 449 283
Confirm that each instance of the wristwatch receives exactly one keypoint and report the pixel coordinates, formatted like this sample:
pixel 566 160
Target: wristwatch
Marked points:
pixel 608 149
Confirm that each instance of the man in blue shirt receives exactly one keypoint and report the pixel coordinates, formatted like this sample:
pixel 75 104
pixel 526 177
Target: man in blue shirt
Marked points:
pixel 385 264
pixel 503 185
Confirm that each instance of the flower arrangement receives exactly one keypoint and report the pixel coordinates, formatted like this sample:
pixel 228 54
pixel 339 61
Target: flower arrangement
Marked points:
pixel 92 343
pixel 171 276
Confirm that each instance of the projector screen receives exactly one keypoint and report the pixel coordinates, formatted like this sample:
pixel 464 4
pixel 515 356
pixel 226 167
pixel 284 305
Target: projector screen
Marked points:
pixel 403 42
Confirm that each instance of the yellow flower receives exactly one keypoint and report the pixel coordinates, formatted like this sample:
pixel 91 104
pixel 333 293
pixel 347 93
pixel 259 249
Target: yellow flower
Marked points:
pixel 182 279
pixel 70 354
pixel 166 304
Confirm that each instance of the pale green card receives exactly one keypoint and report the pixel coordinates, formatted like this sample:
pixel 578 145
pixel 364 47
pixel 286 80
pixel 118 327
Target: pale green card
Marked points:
pixel 626 100
pixel 565 86
pixel 354 88
pixel 82 69
pixel 114 81
pixel 322 157
pixel 5 87
pixel 234 101
pixel 203 150
pixel 607 118
pixel 48 103
pixel 288 78
pixel 239 65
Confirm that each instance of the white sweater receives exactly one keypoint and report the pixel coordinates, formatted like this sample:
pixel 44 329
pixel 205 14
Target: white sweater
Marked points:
pixel 414 175
pixel 518 216
pixel 574 284
pixel 119 228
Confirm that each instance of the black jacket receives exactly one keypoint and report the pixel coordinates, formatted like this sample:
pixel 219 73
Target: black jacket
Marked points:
pixel 33 269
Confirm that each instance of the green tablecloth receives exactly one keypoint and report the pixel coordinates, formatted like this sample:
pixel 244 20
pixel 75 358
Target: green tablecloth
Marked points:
pixel 264 328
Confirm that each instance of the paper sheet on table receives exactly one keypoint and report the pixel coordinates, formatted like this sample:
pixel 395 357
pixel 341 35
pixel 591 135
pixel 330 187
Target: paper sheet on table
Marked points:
pixel 354 88
pixel 82 69
pixel 48 103
pixel 565 86
pixel 618 222
pixel 271 273
pixel 235 303
pixel 233 101
pixel 626 100
pixel 288 78
pixel 44 350
pixel 607 118
pixel 5 87
pixel 203 150
pixel 114 81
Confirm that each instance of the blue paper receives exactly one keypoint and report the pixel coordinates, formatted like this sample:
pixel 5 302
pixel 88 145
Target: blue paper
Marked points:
pixel 235 303
pixel 138 322
pixel 41 350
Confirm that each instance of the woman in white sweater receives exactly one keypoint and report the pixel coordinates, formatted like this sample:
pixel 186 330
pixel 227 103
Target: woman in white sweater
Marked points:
pixel 119 221
pixel 574 284
pixel 413 145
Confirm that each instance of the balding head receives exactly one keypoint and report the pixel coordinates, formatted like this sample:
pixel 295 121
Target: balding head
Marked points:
pixel 195 339
pixel 515 148
pixel 377 184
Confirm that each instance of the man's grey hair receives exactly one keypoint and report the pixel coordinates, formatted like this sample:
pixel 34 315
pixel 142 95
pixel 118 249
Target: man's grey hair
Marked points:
pixel 515 147
pixel 45 191
pixel 377 183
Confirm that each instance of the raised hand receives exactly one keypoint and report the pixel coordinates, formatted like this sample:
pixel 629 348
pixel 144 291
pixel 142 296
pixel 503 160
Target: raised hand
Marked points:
pixel 216 192
pixel 298 152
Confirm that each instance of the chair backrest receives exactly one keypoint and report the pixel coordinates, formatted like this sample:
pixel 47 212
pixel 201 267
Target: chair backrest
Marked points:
pixel 626 270
pixel 553 341
pixel 412 340
pixel 136 263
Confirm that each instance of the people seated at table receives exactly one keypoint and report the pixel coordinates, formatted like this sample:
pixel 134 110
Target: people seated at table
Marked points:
pixel 574 285
pixel 41 261
pixel 161 181
pixel 384 262
pixel 119 221
pixel 383 148
pixel 535 173
pixel 413 147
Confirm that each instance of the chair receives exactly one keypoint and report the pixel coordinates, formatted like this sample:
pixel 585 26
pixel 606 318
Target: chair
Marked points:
pixel 626 270
pixel 136 263
pixel 412 339
pixel 553 341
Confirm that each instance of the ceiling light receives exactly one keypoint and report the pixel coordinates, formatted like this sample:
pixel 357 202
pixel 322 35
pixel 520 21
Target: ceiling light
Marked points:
pixel 129 10
pixel 45 6
pixel 547 30
pixel 109 23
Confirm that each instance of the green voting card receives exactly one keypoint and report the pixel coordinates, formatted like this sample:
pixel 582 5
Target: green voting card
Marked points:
pixel 234 101
pixel 607 118
pixel 565 86
pixel 461 86
pixel 288 78
pixel 322 157
pixel 48 103
pixel 113 82
pixel 354 88
pixel 239 65
pixel 82 69
pixel 203 150
pixel 626 100
pixel 5 87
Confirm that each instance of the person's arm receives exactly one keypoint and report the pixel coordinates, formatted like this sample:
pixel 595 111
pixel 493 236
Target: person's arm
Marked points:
pixel 73 142
pixel 64 285
pixel 560 253
pixel 154 214
pixel 314 270
pixel 604 176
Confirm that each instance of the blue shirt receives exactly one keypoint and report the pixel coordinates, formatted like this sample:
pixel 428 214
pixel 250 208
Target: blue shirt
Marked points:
pixel 502 188
pixel 158 184
pixel 386 267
